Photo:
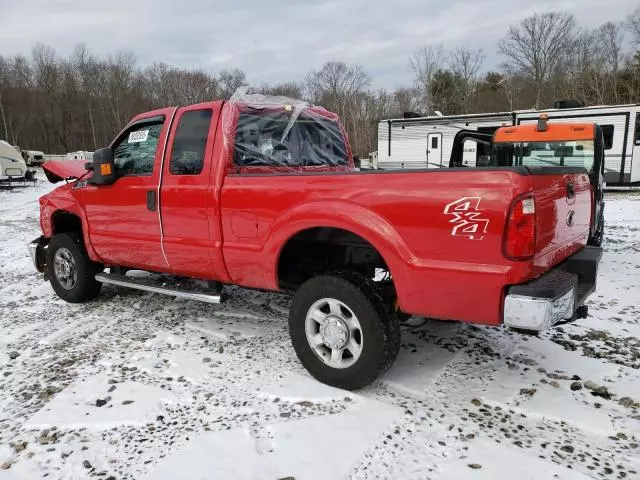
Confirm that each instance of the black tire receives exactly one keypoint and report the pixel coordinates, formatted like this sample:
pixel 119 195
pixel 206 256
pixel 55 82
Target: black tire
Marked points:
pixel 380 330
pixel 85 286
pixel 403 317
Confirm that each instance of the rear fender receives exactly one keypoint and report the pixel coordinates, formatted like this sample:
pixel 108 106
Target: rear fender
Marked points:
pixel 347 216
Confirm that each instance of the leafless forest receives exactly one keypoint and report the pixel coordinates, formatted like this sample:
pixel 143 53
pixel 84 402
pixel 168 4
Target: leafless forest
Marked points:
pixel 61 104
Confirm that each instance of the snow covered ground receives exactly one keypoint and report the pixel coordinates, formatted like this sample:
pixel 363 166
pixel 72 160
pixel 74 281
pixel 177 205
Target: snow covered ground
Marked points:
pixel 136 385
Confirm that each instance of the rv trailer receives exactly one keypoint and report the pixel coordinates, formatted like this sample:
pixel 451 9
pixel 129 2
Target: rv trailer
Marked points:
pixel 426 142
pixel 12 165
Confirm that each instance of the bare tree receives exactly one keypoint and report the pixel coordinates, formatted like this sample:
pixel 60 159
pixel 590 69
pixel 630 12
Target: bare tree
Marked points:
pixel 537 45
pixel 465 63
pixel 230 81
pixel 632 24
pixel 287 89
pixel 572 78
pixel 424 64
pixel 335 84
pixel 86 68
pixel 119 79
pixel 405 100
pixel 611 40
pixel 337 79
pixel 338 86
pixel 4 81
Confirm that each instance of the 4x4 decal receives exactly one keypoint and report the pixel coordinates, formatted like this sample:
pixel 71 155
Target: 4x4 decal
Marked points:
pixel 467 218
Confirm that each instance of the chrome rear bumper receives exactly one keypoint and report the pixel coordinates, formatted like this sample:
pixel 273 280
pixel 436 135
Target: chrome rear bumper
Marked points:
pixel 38 252
pixel 554 296
pixel 532 313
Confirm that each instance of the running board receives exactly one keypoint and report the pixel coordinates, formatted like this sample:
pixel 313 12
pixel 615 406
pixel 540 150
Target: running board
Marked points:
pixel 148 285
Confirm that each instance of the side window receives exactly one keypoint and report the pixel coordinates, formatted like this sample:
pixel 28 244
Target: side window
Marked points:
pixel 187 155
pixel 134 154
pixel 637 137
pixel 607 133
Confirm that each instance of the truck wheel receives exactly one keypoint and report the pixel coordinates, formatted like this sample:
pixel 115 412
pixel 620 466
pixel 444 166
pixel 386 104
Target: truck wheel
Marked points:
pixel 70 270
pixel 343 332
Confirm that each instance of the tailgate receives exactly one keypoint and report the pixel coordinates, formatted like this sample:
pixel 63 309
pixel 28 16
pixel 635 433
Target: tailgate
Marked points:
pixel 563 211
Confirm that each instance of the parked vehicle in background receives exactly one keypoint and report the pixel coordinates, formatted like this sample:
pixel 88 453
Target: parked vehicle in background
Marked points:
pixel 49 157
pixel 426 142
pixel 263 193
pixel 12 165
pixel 33 157
pixel 80 155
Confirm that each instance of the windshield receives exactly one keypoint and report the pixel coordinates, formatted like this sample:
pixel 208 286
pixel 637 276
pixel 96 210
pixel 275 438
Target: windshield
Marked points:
pixel 576 153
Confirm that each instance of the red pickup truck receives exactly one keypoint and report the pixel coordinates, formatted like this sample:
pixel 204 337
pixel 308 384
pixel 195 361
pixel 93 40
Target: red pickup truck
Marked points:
pixel 264 194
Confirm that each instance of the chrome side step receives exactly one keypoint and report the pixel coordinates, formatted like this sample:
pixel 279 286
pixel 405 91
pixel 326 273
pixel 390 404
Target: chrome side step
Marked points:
pixel 149 285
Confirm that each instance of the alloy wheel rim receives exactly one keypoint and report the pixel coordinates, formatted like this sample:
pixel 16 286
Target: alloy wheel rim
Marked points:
pixel 334 333
pixel 65 269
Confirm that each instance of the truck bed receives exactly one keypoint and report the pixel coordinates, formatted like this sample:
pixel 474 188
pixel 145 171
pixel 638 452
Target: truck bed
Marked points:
pixel 439 231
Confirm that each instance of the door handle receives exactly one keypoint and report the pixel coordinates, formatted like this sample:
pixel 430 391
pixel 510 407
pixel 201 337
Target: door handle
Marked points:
pixel 151 200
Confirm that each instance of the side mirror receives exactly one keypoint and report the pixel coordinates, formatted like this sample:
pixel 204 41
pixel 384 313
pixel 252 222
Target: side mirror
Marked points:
pixel 104 170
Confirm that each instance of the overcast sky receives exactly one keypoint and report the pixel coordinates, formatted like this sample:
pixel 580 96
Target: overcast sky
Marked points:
pixel 280 40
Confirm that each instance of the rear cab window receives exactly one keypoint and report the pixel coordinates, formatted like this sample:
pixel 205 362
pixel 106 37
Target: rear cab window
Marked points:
pixel 278 138
pixel 187 154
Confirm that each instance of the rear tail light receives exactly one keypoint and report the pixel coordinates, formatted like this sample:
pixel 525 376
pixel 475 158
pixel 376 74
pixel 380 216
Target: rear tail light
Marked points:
pixel 520 235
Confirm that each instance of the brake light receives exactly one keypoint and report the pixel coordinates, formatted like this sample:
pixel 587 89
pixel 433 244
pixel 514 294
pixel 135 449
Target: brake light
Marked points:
pixel 520 235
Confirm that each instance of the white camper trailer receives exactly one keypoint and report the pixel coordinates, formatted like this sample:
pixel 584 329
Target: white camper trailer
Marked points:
pixel 11 163
pixel 425 142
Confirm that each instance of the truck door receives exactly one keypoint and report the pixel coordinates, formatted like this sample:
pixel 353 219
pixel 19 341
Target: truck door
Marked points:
pixel 124 224
pixel 189 204
pixel 434 150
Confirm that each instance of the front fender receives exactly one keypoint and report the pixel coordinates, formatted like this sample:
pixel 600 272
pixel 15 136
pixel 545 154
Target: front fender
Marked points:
pixel 63 199
pixel 347 216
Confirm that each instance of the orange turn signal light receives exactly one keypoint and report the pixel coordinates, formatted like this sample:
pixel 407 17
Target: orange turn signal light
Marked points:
pixel 105 169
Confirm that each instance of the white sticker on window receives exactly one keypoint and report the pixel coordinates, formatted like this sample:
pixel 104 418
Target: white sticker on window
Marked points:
pixel 138 136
